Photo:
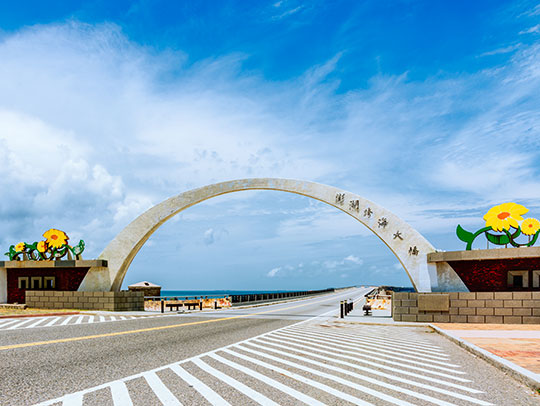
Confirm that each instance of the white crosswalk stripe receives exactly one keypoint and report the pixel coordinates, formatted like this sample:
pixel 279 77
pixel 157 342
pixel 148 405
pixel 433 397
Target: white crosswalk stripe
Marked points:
pixel 307 363
pixel 263 378
pixel 53 321
pixel 375 372
pixel 120 394
pixel 246 390
pixel 322 337
pixel 164 395
pixel 396 347
pixel 363 357
pixel 19 324
pixel 203 389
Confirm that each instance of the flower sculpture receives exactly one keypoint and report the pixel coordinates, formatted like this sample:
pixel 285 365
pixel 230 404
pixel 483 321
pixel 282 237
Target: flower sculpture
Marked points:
pixel 530 226
pixel 54 247
pixel 55 238
pixel 505 219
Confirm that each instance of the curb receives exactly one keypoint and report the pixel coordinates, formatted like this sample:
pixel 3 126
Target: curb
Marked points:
pixel 38 315
pixel 375 323
pixel 520 374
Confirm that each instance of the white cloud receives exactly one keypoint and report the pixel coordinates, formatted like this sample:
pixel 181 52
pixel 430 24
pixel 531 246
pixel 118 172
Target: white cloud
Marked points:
pixel 345 262
pixel 354 259
pixel 96 129
pixel 503 50
pixel 273 272
pixel 91 138
pixel 212 235
pixel 209 237
pixel 534 29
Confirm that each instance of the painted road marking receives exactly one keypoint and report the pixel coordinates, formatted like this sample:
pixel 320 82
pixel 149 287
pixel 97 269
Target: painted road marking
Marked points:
pixel 19 324
pixel 34 324
pixel 239 386
pixel 144 330
pixel 342 381
pixel 164 395
pixel 365 352
pixel 10 322
pixel 75 399
pixel 324 349
pixel 403 343
pixel 277 363
pixel 204 390
pixel 66 321
pixel 389 341
pixel 308 400
pixel 5 322
pixel 361 377
pixel 419 353
pixel 52 321
pixel 311 382
pixel 120 394
pixel 292 347
pixel 367 346
pixel 55 321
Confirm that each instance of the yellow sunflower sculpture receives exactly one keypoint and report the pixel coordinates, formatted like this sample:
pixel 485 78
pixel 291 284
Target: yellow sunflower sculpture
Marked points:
pixel 530 226
pixel 42 246
pixel 55 238
pixel 20 247
pixel 504 216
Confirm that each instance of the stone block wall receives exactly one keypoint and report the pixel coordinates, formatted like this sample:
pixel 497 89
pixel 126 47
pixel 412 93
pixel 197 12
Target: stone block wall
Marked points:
pixel 112 301
pixel 470 307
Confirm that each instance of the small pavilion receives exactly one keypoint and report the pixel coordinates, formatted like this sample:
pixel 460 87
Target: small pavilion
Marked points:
pixel 149 288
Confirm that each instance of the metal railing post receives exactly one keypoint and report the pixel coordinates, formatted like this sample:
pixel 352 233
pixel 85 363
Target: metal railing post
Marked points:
pixel 162 306
pixel 342 309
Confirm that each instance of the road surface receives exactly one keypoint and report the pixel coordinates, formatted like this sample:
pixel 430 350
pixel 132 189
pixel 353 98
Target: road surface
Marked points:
pixel 288 354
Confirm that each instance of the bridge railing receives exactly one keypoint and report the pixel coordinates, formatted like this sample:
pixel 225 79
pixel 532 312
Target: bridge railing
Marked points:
pixel 265 297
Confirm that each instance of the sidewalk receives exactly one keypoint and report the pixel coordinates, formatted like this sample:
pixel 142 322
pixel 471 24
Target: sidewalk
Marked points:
pixel 512 347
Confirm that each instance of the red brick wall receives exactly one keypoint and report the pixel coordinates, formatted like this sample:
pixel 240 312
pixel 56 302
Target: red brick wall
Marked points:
pixel 491 275
pixel 66 279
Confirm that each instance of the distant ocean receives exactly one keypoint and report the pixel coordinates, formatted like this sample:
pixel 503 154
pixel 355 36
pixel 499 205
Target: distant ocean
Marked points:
pixel 216 293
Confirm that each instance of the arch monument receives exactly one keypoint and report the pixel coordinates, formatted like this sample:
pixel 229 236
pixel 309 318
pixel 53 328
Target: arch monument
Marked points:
pixel 407 244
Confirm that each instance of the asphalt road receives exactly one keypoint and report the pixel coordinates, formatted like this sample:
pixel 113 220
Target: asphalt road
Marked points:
pixel 40 372
pixel 284 354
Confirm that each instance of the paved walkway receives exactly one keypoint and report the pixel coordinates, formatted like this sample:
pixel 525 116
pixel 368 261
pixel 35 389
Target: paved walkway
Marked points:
pixel 517 343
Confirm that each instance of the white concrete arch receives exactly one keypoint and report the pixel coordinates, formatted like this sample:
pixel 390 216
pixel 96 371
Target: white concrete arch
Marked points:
pixel 407 244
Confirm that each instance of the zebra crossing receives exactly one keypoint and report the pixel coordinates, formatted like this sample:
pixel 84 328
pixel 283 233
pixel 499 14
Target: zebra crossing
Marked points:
pixel 53 321
pixel 312 363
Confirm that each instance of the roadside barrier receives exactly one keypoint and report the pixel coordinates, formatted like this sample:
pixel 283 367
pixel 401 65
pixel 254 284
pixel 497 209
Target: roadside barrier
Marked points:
pixel 264 297
pixel 345 307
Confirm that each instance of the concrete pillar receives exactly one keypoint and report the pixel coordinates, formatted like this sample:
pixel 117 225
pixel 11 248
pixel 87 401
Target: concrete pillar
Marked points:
pixel 3 285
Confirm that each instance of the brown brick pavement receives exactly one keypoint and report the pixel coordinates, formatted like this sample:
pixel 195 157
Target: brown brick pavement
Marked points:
pixel 518 343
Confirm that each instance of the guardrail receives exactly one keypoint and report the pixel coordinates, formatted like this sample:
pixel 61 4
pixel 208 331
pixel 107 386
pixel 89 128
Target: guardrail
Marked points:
pixel 177 297
pixel 264 297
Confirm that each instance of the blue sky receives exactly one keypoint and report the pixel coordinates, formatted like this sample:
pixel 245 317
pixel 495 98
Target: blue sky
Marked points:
pixel 429 108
